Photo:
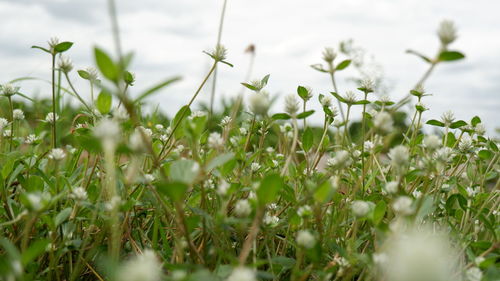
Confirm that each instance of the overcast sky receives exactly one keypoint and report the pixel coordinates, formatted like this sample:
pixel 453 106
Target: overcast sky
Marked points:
pixel 168 38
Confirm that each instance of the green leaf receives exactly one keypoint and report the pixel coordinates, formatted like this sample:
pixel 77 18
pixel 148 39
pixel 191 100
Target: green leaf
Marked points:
pixel 174 190
pixel 485 154
pixel 281 116
pixel 103 102
pixel 458 124
pixel 450 56
pixel 307 139
pixel 269 188
pixel 379 212
pixel 435 122
pixel 302 92
pixel 62 216
pixel 344 64
pixel 180 117
pixel 219 160
pixel 265 80
pixel 106 64
pixel 41 48
pixel 157 87
pixel 426 59
pixel 251 87
pixel 324 192
pixel 35 249
pixel 128 78
pixel 84 74
pixel 184 171
pixel 305 114
pixel 362 102
pixel 63 47
pixel 339 97
pixel 475 120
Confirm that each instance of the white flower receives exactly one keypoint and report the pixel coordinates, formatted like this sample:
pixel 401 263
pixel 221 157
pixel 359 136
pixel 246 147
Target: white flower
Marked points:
pixel 465 144
pixel 447 118
pixel 272 206
pixel 367 84
pixel 136 141
pixel 113 203
pixel 179 149
pixel 149 178
pixel 329 55
pixel 474 274
pixel 379 258
pixel 53 42
pixel 65 64
pixel 259 103
pixel 305 210
pixel 107 130
pixel 30 139
pixel 383 122
pixel 143 267
pixel 416 193
pixel 291 104
pixel 121 114
pixel 7 133
pixel 271 220
pixel 340 160
pixel 447 32
pixel 480 129
pixel 432 142
pixel 79 194
pixel 57 154
pixel 326 101
pixel 93 74
pixel 403 205
pixel 178 275
pixel 18 114
pixel 350 97
pixel 197 114
pixel 418 254
pixel 51 118
pixel 369 146
pixel 399 156
pixel 242 208
pixel 243 131
pixel 222 188
pixel 443 154
pixel 305 239
pixel 471 191
pixel 255 166
pixel 242 274
pixel 9 90
pixel 215 141
pixel 35 201
pixel 225 121
pixel 3 123
pixel 360 208
pixel 391 187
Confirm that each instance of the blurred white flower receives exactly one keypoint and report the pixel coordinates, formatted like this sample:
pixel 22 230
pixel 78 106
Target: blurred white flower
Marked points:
pixel 447 118
pixel 399 156
pixel 432 142
pixel 340 160
pixel 291 104
pixel 51 118
pixel 271 220
pixel 9 90
pixel 3 123
pixel 222 188
pixel 242 208
pixel 65 64
pixel 474 274
pixel 79 194
pixel 259 103
pixel 305 210
pixel 305 239
pixel 18 114
pixel 447 32
pixel 225 121
pixel 255 166
pixel 391 187
pixel 242 274
pixel 121 114
pixel 403 205
pixel 30 139
pixel 360 208
pixel 143 267
pixel 57 154
pixel 215 141
pixel 383 122
pixel 149 178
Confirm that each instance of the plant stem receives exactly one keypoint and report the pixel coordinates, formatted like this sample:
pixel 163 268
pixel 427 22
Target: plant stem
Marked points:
pixel 219 35
pixel 54 121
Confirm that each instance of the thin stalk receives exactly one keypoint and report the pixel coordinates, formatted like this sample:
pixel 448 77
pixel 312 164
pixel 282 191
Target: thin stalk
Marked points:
pixel 219 35
pixel 54 123
pixel 292 149
pixel 11 123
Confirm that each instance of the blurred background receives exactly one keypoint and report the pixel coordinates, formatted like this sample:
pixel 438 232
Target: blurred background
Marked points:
pixel 168 38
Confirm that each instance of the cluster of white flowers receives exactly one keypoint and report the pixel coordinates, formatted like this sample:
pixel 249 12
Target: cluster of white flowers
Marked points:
pixel 18 114
pixel 271 220
pixel 305 210
pixel 222 188
pixel 226 120
pixel 79 194
pixel 432 142
pixel 383 122
pixel 57 154
pixel 403 205
pixel 3 123
pixel 391 187
pixel 215 141
pixel 360 208
pixel 31 139
pixel 51 117
pixel 242 274
pixel 340 160
pixel 9 90
pixel 255 167
pixel 399 156
pixel 242 208
pixel 291 104
pixel 259 103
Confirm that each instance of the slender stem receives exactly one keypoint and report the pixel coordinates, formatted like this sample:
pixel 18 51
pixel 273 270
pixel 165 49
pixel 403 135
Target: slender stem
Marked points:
pixel 76 93
pixel 11 122
pixel 54 121
pixel 219 35
pixel 292 149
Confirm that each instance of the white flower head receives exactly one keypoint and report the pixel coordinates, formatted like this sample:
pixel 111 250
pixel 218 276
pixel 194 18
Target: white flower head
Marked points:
pixel 391 187
pixel 480 129
pixel 259 103
pixel 399 156
pixel 304 211
pixel 242 274
pixel 78 194
pixel 3 123
pixel 255 166
pixel 329 55
pixel 432 142
pixel 474 274
pixel 350 97
pixel 341 159
pixel 215 141
pixel 51 117
pixel 326 101
pixel 18 114
pixel 465 144
pixel 305 239
pixel 57 154
pixel 65 64
pixel 291 104
pixel 447 32
pixel 9 90
pixel 222 188
pixel 149 178
pixel 242 208
pixel 403 205
pixel 226 120
pixel 271 220
pixel 120 114
pixel 360 208
pixel 31 139
pixel 107 130
pixel 197 114
pixel 447 118
pixel 383 122
pixel 143 267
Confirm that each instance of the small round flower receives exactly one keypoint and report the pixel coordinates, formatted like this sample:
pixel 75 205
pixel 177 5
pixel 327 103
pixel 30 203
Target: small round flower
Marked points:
pixel 222 188
pixel 219 53
pixel 243 131
pixel 149 178
pixel 259 103
pixel 447 118
pixel 432 142
pixel 79 194
pixel 9 90
pixel 391 187
pixel 93 74
pixel 340 160
pixel 3 123
pixel 326 101
pixel 480 129
pixel 474 274
pixel 255 166
pixel 242 208
pixel 65 64
pixel 367 85
pixel 225 121
pixel 305 239
pixel 53 42
pixel 350 97
pixel 121 114
pixel 107 129
pixel 399 156
pixel 57 154
pixel 197 114
pixel 465 144
pixel 18 114
pixel 143 267
pixel 360 208
pixel 271 220
pixel 369 146
pixel 31 139
pixel 403 205
pixel 291 104
pixel 51 117
pixel 447 32
pixel 383 122
pixel 113 203
pixel 37 201
pixel 471 191
pixel 242 274
pixel 215 141
pixel 444 154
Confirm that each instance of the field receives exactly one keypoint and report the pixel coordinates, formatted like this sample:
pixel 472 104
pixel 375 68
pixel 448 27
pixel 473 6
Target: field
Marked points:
pixel 100 189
